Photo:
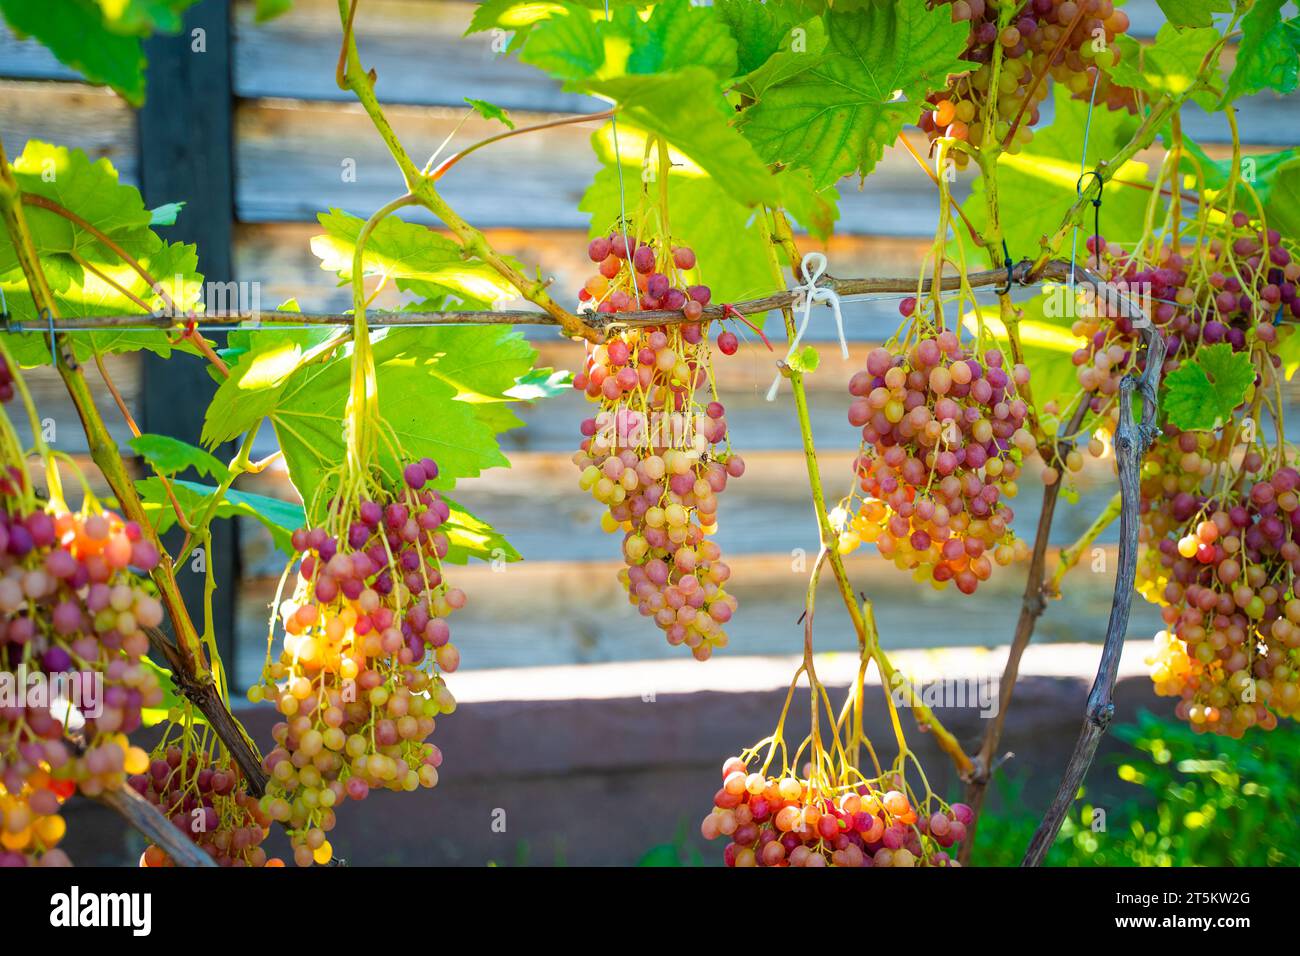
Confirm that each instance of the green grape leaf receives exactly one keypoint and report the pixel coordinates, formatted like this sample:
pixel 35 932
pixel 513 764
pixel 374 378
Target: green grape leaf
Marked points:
pixel 171 456
pixel 677 34
pixel 98 38
pixel 1193 13
pixel 760 29
pixel 405 250
pixel 566 45
pixel 800 49
pixel 80 294
pixel 1203 391
pixel 685 109
pixel 1172 64
pixel 281 518
pixel 490 111
pixel 814 209
pixel 1275 178
pixel 837 116
pixel 1044 176
pixel 165 215
pixel 1267 56
pixel 728 248
pixel 89 189
pixel 259 372
pixel 541 383
pixel 469 536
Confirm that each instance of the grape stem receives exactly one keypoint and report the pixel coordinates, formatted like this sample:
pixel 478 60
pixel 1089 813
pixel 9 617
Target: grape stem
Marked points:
pixel 1071 555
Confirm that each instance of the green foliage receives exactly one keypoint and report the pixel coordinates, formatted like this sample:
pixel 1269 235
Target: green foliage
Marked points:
pixel 98 38
pixel 491 111
pixel 1044 176
pixel 1202 800
pixel 1172 65
pixel 279 517
pixel 170 456
pixel 1202 392
pixel 86 277
pixel 443 392
pixel 1193 13
pixel 1268 56
pixel 842 108
pixel 1275 178
pixel 402 250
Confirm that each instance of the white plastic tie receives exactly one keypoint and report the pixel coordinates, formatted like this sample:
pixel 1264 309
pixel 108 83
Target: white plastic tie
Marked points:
pixel 813 267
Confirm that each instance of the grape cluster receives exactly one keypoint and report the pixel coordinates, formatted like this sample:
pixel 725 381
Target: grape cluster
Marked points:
pixel 30 823
pixel 1223 567
pixel 359 679
pixel 72 619
pixel 1027 45
pixel 207 799
pixel 942 439
pixel 652 454
pixel 787 822
pixel 1233 288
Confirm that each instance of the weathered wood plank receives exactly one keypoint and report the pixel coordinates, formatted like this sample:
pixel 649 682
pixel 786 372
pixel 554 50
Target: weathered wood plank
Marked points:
pixel 76 116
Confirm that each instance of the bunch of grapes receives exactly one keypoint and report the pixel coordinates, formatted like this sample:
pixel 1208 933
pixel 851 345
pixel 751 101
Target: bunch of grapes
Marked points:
pixel 942 440
pixel 206 798
pixel 788 821
pixel 1223 565
pixel 1233 288
pixel 359 679
pixel 652 454
pixel 72 619
pixel 1029 49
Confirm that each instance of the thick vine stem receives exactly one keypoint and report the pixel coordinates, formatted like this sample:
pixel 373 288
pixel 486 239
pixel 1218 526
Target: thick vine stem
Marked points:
pixel 205 695
pixel 1131 442
pixel 148 819
pixel 355 78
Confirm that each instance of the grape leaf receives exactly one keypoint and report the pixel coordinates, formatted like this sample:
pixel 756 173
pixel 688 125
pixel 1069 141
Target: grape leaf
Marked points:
pixel 1267 55
pixel 806 360
pixel 101 40
pixel 1288 349
pixel 541 383
pixel 838 115
pixel 281 518
pixel 170 456
pixel 800 50
pixel 1275 178
pixel 165 215
pixel 1193 13
pixel 1044 175
pixel 760 29
pixel 259 373
pixel 685 108
pixel 566 45
pixel 490 111
pixel 1203 391
pixel 405 250
pixel 677 34
pixel 1172 64
pixel 719 229
pixel 469 536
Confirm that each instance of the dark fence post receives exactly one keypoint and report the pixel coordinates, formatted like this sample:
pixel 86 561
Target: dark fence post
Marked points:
pixel 186 133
